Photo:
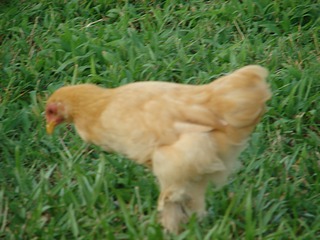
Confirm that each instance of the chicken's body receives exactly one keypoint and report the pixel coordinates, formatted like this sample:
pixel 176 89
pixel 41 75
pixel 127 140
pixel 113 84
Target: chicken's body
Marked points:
pixel 188 135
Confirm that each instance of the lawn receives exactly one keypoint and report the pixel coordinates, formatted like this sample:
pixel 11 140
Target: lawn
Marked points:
pixel 57 187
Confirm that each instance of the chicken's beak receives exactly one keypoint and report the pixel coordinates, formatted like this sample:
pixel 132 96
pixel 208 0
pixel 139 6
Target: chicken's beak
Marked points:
pixel 50 127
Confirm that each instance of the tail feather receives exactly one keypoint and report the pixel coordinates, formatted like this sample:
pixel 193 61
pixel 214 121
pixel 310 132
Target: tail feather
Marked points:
pixel 241 96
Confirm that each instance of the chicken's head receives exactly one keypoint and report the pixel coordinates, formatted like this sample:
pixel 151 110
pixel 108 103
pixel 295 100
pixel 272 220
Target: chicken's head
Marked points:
pixel 55 114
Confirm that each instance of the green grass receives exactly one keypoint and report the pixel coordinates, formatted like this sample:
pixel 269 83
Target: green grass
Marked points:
pixel 59 188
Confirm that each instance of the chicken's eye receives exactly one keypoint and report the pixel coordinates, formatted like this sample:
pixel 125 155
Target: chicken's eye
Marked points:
pixel 51 110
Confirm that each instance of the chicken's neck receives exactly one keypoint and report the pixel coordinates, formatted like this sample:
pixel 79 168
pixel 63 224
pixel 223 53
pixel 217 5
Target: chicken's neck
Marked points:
pixel 89 105
pixel 85 115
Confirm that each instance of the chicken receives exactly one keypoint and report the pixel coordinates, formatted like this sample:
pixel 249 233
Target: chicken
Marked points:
pixel 187 135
